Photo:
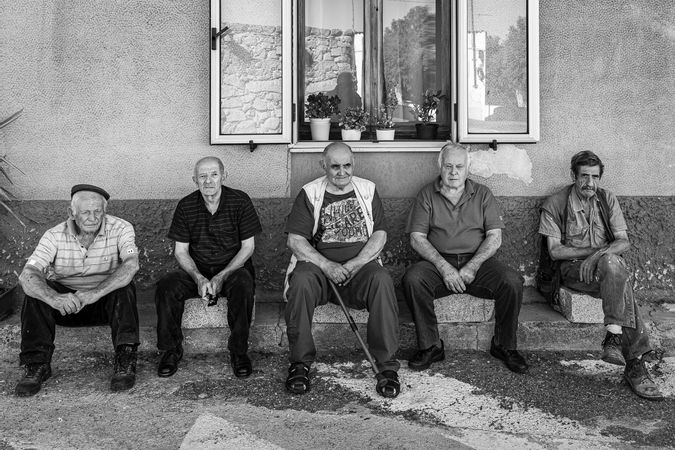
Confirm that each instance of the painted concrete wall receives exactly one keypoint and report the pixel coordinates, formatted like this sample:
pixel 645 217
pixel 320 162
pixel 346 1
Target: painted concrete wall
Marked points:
pixel 117 92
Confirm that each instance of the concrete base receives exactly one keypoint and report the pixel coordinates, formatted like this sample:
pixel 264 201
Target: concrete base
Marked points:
pixel 580 308
pixel 463 308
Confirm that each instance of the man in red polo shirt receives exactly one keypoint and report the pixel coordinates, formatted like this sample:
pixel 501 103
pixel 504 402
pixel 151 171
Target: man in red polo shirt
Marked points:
pixel 455 226
pixel 80 274
pixel 214 229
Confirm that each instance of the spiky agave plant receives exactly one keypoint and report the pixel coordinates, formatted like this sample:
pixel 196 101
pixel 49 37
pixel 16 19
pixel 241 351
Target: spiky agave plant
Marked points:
pixel 6 195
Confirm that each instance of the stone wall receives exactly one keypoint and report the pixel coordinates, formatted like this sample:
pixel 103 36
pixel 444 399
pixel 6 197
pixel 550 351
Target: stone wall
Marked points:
pixel 251 80
pixel 328 53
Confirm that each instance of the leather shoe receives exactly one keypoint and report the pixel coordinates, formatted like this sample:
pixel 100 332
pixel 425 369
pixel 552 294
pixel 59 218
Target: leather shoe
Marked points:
pixel 35 375
pixel 241 365
pixel 423 358
pixel 124 376
pixel 168 364
pixel 512 359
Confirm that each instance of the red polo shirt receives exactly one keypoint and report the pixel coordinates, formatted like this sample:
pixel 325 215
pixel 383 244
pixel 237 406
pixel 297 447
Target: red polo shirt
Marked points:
pixel 456 228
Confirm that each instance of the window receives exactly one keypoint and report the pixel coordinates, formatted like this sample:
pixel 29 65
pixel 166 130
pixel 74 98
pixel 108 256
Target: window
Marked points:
pixel 251 72
pixel 364 50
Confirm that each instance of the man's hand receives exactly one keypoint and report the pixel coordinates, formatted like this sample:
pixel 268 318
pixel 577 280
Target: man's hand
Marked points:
pixel 86 298
pixel 335 272
pixel 587 269
pixel 468 273
pixel 217 282
pixel 66 303
pixel 204 286
pixel 452 278
pixel 353 268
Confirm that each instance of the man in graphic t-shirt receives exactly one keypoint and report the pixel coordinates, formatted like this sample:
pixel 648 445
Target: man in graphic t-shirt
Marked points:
pixel 336 232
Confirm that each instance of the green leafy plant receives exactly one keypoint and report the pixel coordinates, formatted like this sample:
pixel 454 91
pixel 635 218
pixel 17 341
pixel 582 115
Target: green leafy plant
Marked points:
pixel 354 118
pixel 426 109
pixel 321 106
pixel 5 194
pixel 385 117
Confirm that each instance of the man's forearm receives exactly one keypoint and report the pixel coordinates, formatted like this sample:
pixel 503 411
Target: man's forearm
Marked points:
pixel 427 251
pixel 566 253
pixel 371 250
pixel 121 277
pixel 237 262
pixel 303 251
pixel 186 263
pixel 486 250
pixel 34 284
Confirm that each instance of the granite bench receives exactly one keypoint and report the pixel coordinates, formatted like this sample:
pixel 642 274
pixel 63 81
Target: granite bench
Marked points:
pixel 578 307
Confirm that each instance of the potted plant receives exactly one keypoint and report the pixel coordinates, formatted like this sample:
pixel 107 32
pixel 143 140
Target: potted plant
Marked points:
pixel 319 108
pixel 385 118
pixel 353 121
pixel 426 112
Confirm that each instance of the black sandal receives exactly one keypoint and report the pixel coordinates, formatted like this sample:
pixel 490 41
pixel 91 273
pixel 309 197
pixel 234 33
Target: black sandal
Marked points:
pixel 298 378
pixel 388 385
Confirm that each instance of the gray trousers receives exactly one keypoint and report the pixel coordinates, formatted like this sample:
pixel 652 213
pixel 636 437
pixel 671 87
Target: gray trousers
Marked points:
pixel 371 288
pixel 613 286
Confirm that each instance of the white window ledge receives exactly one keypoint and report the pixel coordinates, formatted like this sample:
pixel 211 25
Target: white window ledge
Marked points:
pixel 371 147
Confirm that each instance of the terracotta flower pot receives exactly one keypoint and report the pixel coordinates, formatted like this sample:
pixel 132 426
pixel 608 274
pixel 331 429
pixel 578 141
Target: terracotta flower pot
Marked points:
pixel 320 129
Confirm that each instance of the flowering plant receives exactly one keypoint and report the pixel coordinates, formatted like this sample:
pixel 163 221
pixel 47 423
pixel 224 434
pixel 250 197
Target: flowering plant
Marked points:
pixel 354 119
pixel 385 117
pixel 426 111
pixel 321 106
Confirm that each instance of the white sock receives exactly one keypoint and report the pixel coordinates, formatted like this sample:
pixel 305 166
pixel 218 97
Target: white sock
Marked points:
pixel 613 328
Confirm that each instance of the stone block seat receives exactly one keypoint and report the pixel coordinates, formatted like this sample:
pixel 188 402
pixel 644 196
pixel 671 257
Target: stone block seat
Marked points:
pixel 578 307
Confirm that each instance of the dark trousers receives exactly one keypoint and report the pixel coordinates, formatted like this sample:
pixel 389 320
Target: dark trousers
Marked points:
pixel 176 287
pixel 423 283
pixel 613 286
pixel 39 320
pixel 371 288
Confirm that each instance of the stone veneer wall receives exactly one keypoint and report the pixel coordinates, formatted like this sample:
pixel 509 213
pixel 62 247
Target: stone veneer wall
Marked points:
pixel 649 221
pixel 251 80
pixel 328 53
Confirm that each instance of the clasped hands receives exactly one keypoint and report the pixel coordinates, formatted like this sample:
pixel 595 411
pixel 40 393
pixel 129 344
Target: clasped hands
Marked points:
pixel 73 302
pixel 457 280
pixel 340 274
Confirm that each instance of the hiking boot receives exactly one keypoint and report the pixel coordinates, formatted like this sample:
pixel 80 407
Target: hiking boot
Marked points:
pixel 125 368
pixel 423 358
pixel 35 374
pixel 611 350
pixel 512 359
pixel 640 382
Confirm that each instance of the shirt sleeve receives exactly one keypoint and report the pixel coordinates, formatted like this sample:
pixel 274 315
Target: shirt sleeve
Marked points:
pixel 492 216
pixel 44 253
pixel 249 223
pixel 126 242
pixel 300 221
pixel 548 226
pixel 179 230
pixel 378 213
pixel 419 217
pixel 616 220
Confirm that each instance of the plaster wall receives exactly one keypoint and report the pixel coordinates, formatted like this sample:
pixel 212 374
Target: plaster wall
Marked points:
pixel 117 93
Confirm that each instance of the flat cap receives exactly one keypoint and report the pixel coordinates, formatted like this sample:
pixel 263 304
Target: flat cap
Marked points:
pixel 90 188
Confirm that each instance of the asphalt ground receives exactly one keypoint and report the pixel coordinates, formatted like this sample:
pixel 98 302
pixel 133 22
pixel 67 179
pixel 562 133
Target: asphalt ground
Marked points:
pixel 470 400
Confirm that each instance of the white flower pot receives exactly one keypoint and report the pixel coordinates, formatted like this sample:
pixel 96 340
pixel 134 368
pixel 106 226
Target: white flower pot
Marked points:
pixel 385 134
pixel 351 135
pixel 320 129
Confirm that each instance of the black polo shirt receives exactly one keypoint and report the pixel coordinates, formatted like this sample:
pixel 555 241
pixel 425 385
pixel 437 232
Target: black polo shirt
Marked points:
pixel 214 239
pixel 456 228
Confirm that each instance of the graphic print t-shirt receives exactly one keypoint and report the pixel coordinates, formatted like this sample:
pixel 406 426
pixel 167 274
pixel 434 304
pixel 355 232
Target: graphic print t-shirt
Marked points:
pixel 342 230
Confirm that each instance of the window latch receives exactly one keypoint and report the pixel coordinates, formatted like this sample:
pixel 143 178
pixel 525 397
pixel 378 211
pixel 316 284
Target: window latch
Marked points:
pixel 215 35
pixel 493 145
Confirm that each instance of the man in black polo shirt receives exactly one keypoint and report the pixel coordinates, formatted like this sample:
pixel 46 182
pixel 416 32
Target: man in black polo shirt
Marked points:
pixel 214 229
pixel 455 226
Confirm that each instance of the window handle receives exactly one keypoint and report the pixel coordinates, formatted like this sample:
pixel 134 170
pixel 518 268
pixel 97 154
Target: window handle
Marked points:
pixel 215 35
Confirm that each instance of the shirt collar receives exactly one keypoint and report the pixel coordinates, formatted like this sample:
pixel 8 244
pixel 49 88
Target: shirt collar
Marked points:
pixel 468 186
pixel 220 201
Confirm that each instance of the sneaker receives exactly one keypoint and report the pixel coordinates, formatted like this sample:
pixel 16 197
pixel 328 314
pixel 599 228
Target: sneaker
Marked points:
pixel 35 374
pixel 423 358
pixel 125 368
pixel 640 382
pixel 511 358
pixel 611 350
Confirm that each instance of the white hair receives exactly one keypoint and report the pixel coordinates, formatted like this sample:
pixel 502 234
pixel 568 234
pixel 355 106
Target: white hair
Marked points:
pixel 453 146
pixel 84 194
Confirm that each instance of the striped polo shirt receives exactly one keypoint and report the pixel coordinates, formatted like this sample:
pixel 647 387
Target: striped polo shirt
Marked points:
pixel 214 239
pixel 61 256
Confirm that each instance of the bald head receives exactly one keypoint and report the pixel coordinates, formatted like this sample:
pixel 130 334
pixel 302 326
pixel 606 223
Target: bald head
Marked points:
pixel 338 163
pixel 209 160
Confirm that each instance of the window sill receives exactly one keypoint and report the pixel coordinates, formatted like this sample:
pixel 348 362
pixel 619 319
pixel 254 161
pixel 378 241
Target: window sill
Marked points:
pixel 371 146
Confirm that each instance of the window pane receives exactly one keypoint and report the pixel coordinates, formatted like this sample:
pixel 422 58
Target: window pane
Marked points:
pixel 334 50
pixel 497 66
pixel 410 57
pixel 251 67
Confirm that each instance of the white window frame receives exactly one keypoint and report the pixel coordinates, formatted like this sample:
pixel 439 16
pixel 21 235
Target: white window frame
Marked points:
pixel 285 136
pixel 462 81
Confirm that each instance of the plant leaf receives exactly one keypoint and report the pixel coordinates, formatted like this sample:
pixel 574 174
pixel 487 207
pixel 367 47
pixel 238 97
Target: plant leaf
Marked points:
pixel 11 118
pixel 12 213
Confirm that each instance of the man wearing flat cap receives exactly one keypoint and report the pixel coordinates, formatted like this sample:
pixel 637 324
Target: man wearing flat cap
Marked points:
pixel 80 274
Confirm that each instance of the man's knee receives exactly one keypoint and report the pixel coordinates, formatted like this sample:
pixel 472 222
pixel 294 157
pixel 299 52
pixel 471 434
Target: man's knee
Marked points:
pixel 414 275
pixel 305 277
pixel 512 281
pixel 243 282
pixel 612 266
